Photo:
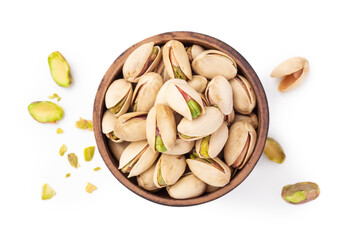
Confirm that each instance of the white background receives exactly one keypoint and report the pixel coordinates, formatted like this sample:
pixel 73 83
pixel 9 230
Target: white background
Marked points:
pixel 317 124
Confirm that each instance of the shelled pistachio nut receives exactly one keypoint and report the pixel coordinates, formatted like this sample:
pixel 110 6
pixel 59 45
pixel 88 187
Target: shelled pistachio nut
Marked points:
pixel 202 126
pixel 252 119
pixel 212 63
pixel 118 97
pixel 146 91
pixel 176 60
pixel 108 124
pixel 188 186
pixel 137 158
pixel 211 146
pixel 193 51
pixel 117 148
pixel 212 171
pixel 244 95
pixel 60 69
pixel 142 60
pixel 240 144
pixel 274 151
pixel 161 128
pixel 219 93
pixel 131 126
pixel 45 111
pixel 161 96
pixel 293 72
pixel 301 192
pixel 181 147
pixel 198 83
pixel 145 179
pixel 228 119
pixel 168 170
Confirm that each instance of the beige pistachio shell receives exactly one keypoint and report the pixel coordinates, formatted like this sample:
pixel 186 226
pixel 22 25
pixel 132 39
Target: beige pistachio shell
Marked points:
pixel 119 92
pixel 252 119
pixel 161 96
pixel 244 95
pixel 146 91
pixel 131 127
pixel 169 169
pixel 240 144
pixel 204 100
pixel 188 186
pixel 198 83
pixel 175 56
pixel 202 126
pixel 181 147
pixel 228 119
pixel 212 63
pixel 139 152
pixel 108 124
pixel 215 144
pixel 211 189
pixel 211 171
pixel 145 179
pixel 219 93
pixel 160 69
pixel 117 148
pixel 193 51
pixel 293 72
pixel 142 60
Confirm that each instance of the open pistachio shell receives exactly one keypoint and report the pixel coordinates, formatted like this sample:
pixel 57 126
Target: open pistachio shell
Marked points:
pixel 117 148
pixel 211 146
pixel 244 95
pixel 146 91
pixel 108 124
pixel 240 144
pixel 193 51
pixel 198 83
pixel 161 96
pixel 131 127
pixel 252 119
pixel 188 186
pixel 203 126
pixel 145 179
pixel 176 60
pixel 219 93
pixel 212 63
pixel 211 171
pixel 168 170
pixel 181 147
pixel 229 118
pixel 118 97
pixel 142 60
pixel 293 72
pixel 137 158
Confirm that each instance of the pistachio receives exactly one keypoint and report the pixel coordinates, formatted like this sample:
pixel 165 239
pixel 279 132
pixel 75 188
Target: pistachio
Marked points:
pixel 161 96
pixel 211 146
pixel 117 148
pixel 47 192
pixel 193 51
pixel 73 160
pixel 229 118
pixel 198 83
pixel 45 111
pixel 145 179
pixel 131 127
pixel 84 124
pixel 188 186
pixel 118 97
pixel 300 193
pixel 293 72
pixel 89 153
pixel 54 96
pixel 176 60
pixel 108 125
pixel 62 150
pixel 219 93
pixel 168 170
pixel 160 69
pixel 60 69
pixel 90 188
pixel 252 119
pixel 244 95
pixel 274 151
pixel 59 131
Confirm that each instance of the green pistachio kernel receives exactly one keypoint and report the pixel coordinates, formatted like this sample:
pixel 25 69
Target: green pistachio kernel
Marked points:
pixel 67 175
pixel 60 69
pixel 205 146
pixel 160 179
pixel 296 197
pixel 115 109
pixel 73 160
pixel 62 150
pixel 84 124
pixel 59 131
pixel 194 155
pixel 89 153
pixel 159 144
pixel 47 192
pixel 195 108
pixel 274 151
pixel 301 192
pixel 178 73
pixel 54 96
pixel 45 111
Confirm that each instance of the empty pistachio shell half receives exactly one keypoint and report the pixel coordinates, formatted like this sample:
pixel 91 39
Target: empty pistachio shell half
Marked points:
pixel 240 144
pixel 131 126
pixel 117 148
pixel 293 72
pixel 60 69
pixel 193 51
pixel 212 63
pixel 176 60
pixel 219 93
pixel 229 118
pixel 161 96
pixel 188 186
pixel 211 146
pixel 168 170
pixel 252 119
pixel 274 151
pixel 198 83
pixel 45 111
pixel 137 158
pixel 118 97
pixel 108 125
pixel 181 147
pixel 142 60
pixel 301 192
pixel 145 179
pixel 212 171
pixel 146 91
pixel 244 95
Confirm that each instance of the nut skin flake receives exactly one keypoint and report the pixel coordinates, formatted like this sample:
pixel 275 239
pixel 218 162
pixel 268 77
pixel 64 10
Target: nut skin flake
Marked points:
pixel 90 188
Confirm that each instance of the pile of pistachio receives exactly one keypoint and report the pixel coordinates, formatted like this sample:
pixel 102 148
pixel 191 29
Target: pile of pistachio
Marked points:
pixel 181 118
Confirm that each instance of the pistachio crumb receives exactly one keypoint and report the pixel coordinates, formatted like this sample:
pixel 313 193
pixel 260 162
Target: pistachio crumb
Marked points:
pixel 90 188
pixel 97 169
pixel 67 175
pixel 59 131
pixel 47 192
pixel 73 160
pixel 89 153
pixel 84 124
pixel 62 150
pixel 55 96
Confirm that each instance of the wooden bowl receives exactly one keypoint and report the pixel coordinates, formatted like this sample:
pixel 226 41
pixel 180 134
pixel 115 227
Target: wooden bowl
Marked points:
pixel 244 68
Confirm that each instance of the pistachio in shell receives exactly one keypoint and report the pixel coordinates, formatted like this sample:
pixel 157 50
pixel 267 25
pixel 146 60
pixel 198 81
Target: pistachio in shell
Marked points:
pixel 274 151
pixel 251 118
pixel 45 111
pixel 60 69
pixel 244 95
pixel 118 97
pixel 229 118
pixel 161 96
pixel 117 148
pixel 300 193
pixel 176 60
pixel 211 146
pixel 219 93
pixel 168 170
pixel 145 179
pixel 108 125
pixel 131 126
pixel 193 51
pixel 198 83
pixel 188 186
pixel 181 147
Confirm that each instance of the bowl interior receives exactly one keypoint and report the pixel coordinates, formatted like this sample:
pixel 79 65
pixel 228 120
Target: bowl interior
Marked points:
pixel 187 38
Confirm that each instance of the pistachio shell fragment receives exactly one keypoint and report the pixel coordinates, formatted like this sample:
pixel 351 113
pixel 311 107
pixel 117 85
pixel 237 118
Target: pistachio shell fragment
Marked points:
pixel 131 126
pixel 244 95
pixel 62 150
pixel 47 192
pixel 219 93
pixel 188 186
pixel 293 72
pixel 300 193
pixel 193 51
pixel 274 151
pixel 45 111
pixel 84 124
pixel 198 83
pixel 118 97
pixel 145 179
pixel 252 119
pixel 73 160
pixel 89 153
pixel 54 96
pixel 60 69
pixel 59 131
pixel 176 60
pixel 90 188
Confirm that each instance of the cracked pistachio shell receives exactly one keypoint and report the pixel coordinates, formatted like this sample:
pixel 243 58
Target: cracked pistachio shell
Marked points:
pixel 142 60
pixel 244 95
pixel 293 72
pixel 108 124
pixel 274 151
pixel 202 126
pixel 193 51
pixel 146 91
pixel 300 193
pixel 45 111
pixel 160 123
pixel 118 97
pixel 188 186
pixel 229 118
pixel 211 171
pixel 181 147
pixel 240 144
pixel 161 96
pixel 219 93
pixel 252 119
pixel 117 148
pixel 178 97
pixel 145 179
pixel 137 158
pixel 211 146
pixel 168 170
pixel 60 69
pixel 198 83
pixel 176 60
pixel 212 63
pixel 131 127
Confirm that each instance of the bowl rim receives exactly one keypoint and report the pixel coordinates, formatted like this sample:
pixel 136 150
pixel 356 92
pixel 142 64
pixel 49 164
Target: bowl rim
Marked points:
pixel 243 66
